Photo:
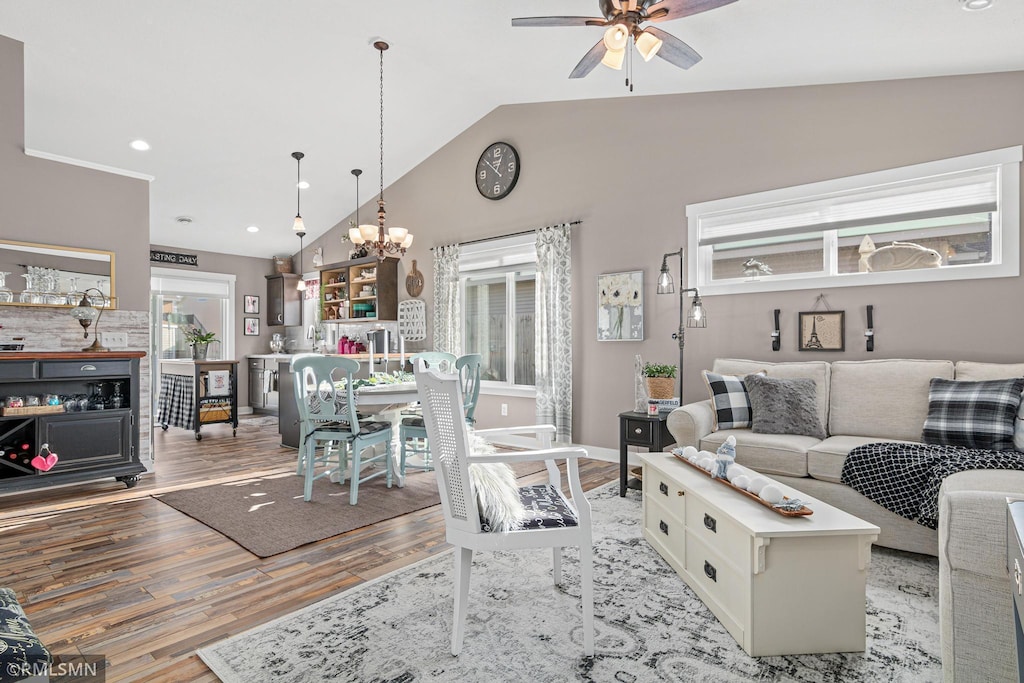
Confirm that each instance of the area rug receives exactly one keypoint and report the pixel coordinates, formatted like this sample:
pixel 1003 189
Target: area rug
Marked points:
pixel 267 515
pixel 649 625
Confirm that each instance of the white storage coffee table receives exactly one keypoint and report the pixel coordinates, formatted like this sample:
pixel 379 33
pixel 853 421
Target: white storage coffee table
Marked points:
pixel 779 585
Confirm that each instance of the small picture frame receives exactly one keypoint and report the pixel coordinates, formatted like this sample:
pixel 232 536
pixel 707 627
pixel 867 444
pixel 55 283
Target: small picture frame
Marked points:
pixel 620 306
pixel 251 304
pixel 252 327
pixel 822 331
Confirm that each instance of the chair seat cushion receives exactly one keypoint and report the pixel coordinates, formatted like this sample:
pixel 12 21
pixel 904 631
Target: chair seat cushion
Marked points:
pixel 415 421
pixel 369 427
pixel 18 644
pixel 546 508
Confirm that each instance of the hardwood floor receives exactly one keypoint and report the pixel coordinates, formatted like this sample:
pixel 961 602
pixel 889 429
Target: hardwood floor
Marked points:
pixel 101 569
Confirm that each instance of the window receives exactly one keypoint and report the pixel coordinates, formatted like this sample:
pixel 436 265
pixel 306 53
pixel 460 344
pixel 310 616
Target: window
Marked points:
pixel 951 219
pixel 498 280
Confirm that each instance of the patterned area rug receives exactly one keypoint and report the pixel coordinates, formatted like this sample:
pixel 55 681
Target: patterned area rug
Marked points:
pixel 650 626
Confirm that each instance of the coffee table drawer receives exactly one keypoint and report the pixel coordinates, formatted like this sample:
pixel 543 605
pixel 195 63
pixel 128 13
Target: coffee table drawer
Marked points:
pixel 728 591
pixel 665 531
pixel 719 532
pixel 661 488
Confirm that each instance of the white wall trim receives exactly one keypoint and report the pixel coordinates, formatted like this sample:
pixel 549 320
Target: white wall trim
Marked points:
pixel 88 164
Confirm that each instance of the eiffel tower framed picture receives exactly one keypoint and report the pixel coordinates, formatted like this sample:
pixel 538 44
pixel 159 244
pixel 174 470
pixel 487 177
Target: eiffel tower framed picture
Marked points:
pixel 822 331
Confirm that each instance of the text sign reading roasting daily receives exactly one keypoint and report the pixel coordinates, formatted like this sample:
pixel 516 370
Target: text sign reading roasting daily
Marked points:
pixel 173 257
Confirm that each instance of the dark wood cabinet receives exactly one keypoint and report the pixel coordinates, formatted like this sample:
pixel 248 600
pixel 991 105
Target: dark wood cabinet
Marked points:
pixel 284 302
pixel 363 289
pixel 101 440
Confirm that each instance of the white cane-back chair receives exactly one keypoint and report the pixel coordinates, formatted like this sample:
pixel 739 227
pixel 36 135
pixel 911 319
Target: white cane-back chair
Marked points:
pixel 558 522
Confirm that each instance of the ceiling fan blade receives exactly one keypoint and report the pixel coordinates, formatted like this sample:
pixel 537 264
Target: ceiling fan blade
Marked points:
pixel 559 21
pixel 675 51
pixel 682 8
pixel 590 60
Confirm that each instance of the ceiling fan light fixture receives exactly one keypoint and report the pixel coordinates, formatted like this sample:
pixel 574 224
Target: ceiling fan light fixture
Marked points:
pixel 648 44
pixel 616 37
pixel 613 59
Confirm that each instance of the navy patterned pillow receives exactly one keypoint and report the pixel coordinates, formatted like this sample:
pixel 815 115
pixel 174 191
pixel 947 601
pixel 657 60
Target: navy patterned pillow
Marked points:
pixel 972 414
pixel 729 401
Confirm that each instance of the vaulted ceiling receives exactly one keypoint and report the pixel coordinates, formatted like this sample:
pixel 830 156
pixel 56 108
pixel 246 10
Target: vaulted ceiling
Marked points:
pixel 225 91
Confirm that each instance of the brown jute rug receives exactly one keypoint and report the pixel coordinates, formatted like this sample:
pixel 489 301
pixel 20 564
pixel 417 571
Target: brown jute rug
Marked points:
pixel 267 515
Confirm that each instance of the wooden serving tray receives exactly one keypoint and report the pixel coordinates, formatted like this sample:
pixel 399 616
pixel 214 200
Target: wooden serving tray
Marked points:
pixel 802 512
pixel 32 410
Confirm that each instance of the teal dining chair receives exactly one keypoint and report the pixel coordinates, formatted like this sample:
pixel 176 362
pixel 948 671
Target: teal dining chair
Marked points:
pixel 412 433
pixel 331 434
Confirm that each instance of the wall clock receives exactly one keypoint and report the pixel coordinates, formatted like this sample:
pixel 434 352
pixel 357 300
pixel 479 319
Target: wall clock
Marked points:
pixel 497 170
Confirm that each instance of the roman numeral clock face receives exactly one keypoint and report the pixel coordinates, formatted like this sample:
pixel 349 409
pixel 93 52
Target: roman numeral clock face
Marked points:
pixel 497 171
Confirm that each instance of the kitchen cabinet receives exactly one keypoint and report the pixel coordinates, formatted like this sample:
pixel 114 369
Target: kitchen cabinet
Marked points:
pixel 360 289
pixel 284 304
pixel 100 440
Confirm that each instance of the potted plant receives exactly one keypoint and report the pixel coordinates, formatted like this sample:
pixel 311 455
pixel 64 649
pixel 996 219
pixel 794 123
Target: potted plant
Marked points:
pixel 199 341
pixel 660 380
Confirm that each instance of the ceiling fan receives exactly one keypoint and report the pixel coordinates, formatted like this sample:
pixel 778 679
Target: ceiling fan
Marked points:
pixel 623 19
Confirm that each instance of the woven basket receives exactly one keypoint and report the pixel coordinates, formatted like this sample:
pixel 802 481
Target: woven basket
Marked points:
pixel 661 387
pixel 282 264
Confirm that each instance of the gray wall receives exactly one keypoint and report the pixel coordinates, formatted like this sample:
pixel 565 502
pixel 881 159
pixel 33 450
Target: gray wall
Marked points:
pixel 627 167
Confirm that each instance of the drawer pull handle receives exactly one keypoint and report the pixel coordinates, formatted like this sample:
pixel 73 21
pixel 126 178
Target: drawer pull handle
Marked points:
pixel 680 493
pixel 638 430
pixel 1016 576
pixel 88 368
pixel 663 527
pixel 710 571
pixel 710 524
pixel 663 487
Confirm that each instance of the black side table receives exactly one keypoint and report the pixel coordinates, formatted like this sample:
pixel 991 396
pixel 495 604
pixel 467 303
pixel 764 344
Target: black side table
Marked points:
pixel 640 429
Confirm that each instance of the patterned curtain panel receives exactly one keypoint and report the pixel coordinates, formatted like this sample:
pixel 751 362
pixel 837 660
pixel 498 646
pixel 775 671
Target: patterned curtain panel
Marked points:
pixel 447 321
pixel 554 331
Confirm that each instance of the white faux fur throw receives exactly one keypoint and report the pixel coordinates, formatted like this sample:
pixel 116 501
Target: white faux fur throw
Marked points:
pixel 497 493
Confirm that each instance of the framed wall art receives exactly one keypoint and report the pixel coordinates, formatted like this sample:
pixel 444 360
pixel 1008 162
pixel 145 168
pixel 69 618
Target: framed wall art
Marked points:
pixel 252 327
pixel 822 331
pixel 620 306
pixel 251 304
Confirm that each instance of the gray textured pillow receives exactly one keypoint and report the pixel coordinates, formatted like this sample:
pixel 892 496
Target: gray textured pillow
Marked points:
pixel 784 406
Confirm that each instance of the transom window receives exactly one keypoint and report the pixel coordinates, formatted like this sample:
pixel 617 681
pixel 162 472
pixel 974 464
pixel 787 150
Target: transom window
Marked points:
pixel 950 219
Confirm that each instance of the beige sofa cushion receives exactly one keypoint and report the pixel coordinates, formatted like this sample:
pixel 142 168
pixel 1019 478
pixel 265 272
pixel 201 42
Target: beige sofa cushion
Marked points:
pixel 882 398
pixel 825 460
pixel 784 454
pixel 816 370
pixel 970 371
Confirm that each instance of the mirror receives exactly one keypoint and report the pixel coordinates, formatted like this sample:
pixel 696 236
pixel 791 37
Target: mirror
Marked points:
pixel 45 275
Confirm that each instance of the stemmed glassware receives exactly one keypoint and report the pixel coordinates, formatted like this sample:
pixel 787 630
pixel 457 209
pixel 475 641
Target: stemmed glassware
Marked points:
pixel 74 297
pixel 29 295
pixel 117 399
pixel 6 295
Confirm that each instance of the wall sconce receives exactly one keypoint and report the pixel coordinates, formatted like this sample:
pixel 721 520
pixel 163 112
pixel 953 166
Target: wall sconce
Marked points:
pixel 869 334
pixel 86 314
pixel 777 334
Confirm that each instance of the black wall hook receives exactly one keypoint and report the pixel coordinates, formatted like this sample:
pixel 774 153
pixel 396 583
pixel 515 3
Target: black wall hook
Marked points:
pixel 777 334
pixel 869 334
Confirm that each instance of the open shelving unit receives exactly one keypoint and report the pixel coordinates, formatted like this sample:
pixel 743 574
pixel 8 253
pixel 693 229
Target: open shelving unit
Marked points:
pixel 360 290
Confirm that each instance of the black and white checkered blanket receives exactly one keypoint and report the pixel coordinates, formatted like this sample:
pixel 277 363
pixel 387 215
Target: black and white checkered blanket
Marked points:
pixel 905 477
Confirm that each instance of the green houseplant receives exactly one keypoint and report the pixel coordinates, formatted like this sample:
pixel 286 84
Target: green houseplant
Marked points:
pixel 199 341
pixel 660 380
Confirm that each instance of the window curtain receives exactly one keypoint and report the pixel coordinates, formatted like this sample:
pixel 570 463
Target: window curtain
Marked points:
pixel 554 330
pixel 447 320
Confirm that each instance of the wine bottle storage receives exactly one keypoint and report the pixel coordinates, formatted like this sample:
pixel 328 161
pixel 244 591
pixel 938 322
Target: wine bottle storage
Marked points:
pixel 17 444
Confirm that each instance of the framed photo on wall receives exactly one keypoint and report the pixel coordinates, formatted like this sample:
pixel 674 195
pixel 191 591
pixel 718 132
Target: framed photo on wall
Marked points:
pixel 822 331
pixel 252 327
pixel 251 304
pixel 620 306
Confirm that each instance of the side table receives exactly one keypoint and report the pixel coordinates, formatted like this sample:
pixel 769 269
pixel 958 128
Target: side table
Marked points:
pixel 640 429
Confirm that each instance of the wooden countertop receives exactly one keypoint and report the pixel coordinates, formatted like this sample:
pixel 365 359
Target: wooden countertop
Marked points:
pixel 69 355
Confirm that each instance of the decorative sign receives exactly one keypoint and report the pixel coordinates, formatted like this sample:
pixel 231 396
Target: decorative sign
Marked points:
pixel 157 256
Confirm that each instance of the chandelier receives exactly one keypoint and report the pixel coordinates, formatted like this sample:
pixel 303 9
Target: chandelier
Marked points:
pixel 393 240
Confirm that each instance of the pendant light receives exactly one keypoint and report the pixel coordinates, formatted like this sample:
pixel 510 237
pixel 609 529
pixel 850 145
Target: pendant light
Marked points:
pixel 354 235
pixel 394 240
pixel 298 226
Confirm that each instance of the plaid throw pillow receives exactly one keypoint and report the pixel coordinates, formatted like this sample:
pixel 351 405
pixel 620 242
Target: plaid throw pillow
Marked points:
pixel 972 414
pixel 729 401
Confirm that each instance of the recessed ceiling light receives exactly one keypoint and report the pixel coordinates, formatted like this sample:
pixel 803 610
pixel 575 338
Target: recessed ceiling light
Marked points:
pixel 140 145
pixel 253 228
pixel 303 185
pixel 974 5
